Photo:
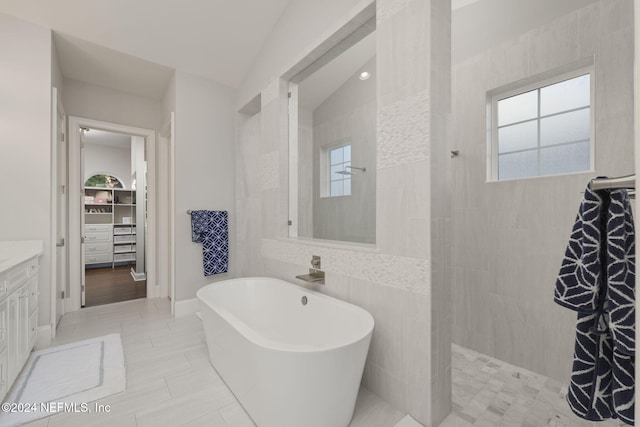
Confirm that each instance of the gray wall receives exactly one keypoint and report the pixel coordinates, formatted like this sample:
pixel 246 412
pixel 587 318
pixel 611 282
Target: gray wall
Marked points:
pixel 348 113
pixel 509 237
pixel 25 162
pixel 203 171
pixel 104 159
pixel 109 105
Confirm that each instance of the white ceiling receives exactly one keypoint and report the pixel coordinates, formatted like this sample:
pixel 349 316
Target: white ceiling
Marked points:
pixel 217 39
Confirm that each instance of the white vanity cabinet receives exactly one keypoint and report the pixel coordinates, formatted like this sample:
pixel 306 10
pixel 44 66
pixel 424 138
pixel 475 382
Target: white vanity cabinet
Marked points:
pixel 19 269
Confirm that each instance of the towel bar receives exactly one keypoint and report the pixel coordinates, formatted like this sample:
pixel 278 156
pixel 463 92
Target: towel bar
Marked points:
pixel 628 182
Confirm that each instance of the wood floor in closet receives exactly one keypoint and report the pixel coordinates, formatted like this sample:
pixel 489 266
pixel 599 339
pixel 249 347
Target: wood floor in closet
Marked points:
pixel 109 285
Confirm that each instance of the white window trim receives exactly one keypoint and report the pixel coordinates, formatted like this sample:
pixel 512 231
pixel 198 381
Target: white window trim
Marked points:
pixel 527 85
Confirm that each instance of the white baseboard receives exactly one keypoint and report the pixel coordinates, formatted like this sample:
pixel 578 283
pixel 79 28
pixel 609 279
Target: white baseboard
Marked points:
pixel 44 336
pixel 186 307
pixel 138 277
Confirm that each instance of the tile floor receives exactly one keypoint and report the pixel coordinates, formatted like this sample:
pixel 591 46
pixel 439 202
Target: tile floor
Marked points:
pixel 170 381
pixel 490 393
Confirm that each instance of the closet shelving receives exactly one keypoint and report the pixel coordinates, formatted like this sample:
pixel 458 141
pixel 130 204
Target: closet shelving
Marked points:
pixel 110 229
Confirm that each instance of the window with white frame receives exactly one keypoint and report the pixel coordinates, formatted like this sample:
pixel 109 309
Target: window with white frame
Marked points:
pixel 542 128
pixel 339 161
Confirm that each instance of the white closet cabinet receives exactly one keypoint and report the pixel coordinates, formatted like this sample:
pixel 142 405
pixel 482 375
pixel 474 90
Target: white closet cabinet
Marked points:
pixel 18 318
pixel 110 229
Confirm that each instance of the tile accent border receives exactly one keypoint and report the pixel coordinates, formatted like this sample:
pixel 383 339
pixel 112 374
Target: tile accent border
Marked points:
pixel 410 274
pixel 404 131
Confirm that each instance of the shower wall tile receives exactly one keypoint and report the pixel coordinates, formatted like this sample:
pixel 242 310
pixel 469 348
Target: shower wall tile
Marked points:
pixel 274 113
pixel 270 212
pixel 405 192
pixel 472 320
pixel 610 163
pixel 247 154
pixel 419 327
pixel 508 64
pixel 599 18
pixel 391 388
pixel 248 200
pixel 269 170
pixel 554 44
pixel 469 247
pixel 467 170
pixel 388 307
pixel 509 237
pixel 615 59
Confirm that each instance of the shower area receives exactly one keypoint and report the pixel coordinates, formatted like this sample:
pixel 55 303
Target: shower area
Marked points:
pixel 542 102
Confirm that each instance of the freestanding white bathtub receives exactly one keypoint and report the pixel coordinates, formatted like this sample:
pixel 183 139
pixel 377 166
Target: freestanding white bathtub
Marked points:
pixel 289 364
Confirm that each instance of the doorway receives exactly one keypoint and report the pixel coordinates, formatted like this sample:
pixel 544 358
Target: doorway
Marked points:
pixel 113 168
pixel 111 213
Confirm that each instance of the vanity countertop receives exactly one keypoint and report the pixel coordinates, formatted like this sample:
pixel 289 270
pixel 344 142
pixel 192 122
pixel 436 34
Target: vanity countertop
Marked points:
pixel 14 252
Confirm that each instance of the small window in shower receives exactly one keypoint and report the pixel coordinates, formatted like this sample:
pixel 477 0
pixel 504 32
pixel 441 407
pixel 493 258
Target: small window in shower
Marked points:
pixel 542 128
pixel 339 161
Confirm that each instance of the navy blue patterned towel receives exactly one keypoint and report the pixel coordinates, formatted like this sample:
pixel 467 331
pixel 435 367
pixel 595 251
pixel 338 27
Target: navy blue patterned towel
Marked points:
pixel 577 287
pixel 210 228
pixel 597 279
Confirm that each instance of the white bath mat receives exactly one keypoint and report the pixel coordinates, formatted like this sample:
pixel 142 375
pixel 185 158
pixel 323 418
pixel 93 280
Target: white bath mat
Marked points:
pixel 65 379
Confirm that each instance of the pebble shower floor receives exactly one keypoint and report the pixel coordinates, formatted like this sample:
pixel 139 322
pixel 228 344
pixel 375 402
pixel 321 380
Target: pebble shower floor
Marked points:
pixel 488 392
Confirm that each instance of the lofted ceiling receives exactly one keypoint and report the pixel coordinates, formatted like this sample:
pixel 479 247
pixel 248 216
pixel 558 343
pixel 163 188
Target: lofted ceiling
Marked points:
pixel 134 46
pixel 217 39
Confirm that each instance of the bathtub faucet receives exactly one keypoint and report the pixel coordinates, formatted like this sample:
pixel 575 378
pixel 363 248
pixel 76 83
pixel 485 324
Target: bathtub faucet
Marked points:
pixel 315 274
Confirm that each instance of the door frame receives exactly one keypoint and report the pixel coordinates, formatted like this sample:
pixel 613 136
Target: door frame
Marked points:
pixel 167 224
pixel 56 145
pixel 76 191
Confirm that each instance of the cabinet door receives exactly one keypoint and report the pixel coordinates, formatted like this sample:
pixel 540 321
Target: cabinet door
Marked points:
pixel 33 330
pixel 33 294
pixel 3 324
pixel 12 337
pixel 23 325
